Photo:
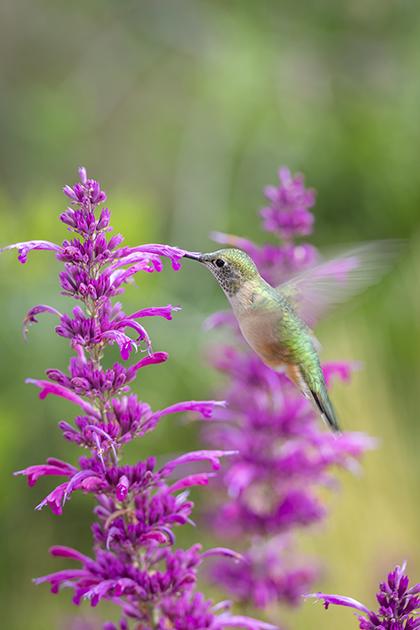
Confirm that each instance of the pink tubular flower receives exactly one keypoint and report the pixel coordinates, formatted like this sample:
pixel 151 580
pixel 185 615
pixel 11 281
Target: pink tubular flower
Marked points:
pixel 52 467
pixel 28 246
pixel 396 601
pixel 60 390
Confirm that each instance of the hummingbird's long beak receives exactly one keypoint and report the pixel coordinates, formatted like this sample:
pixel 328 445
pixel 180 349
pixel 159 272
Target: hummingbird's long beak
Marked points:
pixel 193 257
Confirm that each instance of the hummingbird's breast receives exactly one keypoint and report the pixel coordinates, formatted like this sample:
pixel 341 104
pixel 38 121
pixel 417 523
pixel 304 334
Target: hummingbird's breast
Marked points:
pixel 262 334
pixel 262 317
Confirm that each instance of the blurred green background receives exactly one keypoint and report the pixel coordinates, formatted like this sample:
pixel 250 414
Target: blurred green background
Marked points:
pixel 184 110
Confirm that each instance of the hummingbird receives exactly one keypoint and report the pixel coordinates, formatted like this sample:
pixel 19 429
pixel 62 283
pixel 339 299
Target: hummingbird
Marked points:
pixel 277 322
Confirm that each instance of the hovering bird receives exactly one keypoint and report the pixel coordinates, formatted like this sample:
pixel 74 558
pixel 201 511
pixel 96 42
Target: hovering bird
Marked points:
pixel 277 322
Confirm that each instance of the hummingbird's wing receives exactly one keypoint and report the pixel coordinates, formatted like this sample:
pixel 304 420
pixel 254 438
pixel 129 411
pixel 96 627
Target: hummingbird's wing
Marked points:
pixel 316 291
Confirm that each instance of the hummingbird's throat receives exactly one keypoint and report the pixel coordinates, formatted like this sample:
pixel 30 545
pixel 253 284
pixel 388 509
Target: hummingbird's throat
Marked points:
pixel 229 283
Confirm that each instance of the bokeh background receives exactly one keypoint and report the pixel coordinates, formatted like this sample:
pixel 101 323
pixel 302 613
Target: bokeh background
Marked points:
pixel 184 110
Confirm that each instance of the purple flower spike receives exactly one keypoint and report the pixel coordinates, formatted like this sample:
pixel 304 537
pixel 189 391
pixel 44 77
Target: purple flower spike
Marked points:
pixel 396 604
pixel 134 564
pixel 282 454
pixel 288 216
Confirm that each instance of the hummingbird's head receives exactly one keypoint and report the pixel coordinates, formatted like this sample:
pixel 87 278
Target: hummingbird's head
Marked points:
pixel 231 267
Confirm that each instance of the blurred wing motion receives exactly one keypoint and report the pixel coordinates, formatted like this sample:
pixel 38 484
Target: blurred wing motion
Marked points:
pixel 316 291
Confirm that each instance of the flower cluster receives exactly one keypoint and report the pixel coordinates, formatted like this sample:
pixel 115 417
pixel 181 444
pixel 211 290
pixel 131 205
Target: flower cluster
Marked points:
pixel 397 604
pixel 272 573
pixel 134 564
pixel 283 458
pixel 288 214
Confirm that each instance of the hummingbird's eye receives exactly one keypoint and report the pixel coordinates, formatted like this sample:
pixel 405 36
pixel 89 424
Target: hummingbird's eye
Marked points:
pixel 220 262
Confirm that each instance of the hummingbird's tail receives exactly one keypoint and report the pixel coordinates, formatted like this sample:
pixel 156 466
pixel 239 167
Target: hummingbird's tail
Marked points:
pixel 319 400
pixel 325 408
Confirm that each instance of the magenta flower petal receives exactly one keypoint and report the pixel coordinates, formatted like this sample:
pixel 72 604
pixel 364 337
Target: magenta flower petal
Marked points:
pixel 227 553
pixel 27 246
pixel 55 499
pixel 122 488
pixel 341 369
pixel 118 277
pixel 156 357
pixel 163 311
pixel 203 406
pixel 196 456
pixel 67 552
pixel 173 253
pixel 240 476
pixel 30 318
pixel 59 390
pixel 139 261
pixel 35 472
pixel 90 483
pixel 339 600
pixel 80 477
pixel 60 576
pixel 83 175
pixel 124 342
pixel 128 322
pixel 200 479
